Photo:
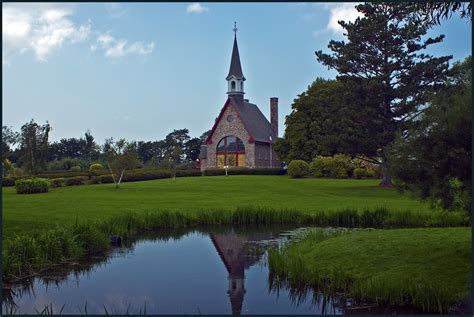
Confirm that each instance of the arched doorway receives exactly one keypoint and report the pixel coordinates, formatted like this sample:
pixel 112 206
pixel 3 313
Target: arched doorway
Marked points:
pixel 230 151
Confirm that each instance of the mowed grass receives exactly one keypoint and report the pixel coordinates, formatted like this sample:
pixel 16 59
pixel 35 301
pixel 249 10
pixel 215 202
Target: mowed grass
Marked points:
pixel 28 213
pixel 427 267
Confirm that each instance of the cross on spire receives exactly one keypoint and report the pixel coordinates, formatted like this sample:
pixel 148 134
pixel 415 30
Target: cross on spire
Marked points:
pixel 235 28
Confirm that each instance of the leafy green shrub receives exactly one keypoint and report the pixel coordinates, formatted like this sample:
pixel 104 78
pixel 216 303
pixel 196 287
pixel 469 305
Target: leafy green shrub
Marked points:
pixel 370 172
pixel 57 182
pixel 106 179
pixel 337 166
pixel 359 172
pixel 75 168
pixel 31 185
pixel 214 172
pixel 95 180
pixel 298 169
pixel 65 164
pixel 8 181
pixel 78 180
pixel 61 174
pixel 242 171
pixel 95 168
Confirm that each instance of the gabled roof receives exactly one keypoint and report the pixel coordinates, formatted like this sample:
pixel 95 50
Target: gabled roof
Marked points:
pixel 255 123
pixel 235 67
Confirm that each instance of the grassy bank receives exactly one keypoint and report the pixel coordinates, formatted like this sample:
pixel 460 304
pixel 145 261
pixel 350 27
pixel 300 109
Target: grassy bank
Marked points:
pixel 26 253
pixel 429 268
pixel 36 212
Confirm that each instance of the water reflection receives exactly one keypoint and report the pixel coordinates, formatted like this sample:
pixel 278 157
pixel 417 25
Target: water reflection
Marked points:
pixel 208 271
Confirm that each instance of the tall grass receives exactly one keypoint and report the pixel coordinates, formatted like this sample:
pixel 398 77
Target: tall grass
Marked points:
pixel 414 277
pixel 25 254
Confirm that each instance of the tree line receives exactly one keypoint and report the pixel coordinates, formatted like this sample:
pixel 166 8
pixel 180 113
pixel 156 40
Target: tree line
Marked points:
pixel 29 151
pixel 392 103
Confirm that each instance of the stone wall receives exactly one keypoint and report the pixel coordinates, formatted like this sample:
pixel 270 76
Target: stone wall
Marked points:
pixel 235 128
pixel 262 156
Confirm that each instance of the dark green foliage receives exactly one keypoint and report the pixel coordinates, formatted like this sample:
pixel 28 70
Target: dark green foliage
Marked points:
pixel 106 179
pixel 337 166
pixel 66 164
pixel 31 185
pixel 434 157
pixel 243 171
pixel 61 174
pixel 387 77
pixel 434 12
pixel 298 169
pixel 75 168
pixel 359 172
pixel 137 175
pixel 34 146
pixel 8 181
pixel 57 182
pixel 95 180
pixel 9 138
pixel 77 180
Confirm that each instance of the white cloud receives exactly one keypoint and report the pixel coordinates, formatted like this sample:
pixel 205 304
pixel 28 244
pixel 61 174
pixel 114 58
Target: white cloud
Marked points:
pixel 196 8
pixel 116 48
pixel 341 12
pixel 42 29
pixel 337 12
pixel 115 10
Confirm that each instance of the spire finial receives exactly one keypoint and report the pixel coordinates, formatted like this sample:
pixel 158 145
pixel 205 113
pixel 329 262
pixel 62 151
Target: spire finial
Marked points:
pixel 235 28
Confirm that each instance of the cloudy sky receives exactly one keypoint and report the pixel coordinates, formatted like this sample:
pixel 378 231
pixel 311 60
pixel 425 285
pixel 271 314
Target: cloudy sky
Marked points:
pixel 141 70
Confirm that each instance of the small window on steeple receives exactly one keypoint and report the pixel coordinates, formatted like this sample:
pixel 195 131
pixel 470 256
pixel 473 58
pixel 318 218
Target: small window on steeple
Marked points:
pixel 232 85
pixel 241 86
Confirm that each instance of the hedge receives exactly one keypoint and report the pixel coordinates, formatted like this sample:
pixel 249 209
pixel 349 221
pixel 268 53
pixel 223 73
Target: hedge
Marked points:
pixel 298 169
pixel 243 171
pixel 31 186
pixel 8 181
pixel 57 182
pixel 78 180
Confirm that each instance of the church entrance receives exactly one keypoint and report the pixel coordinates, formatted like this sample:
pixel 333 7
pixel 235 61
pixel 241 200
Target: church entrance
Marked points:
pixel 230 152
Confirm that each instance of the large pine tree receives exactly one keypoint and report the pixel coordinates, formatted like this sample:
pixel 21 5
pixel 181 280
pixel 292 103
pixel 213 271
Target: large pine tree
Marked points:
pixel 384 64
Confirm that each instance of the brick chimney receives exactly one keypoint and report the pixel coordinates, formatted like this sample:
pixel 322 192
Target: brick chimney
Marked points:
pixel 274 115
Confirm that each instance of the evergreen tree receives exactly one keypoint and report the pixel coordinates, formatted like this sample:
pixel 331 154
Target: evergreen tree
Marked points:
pixel 385 70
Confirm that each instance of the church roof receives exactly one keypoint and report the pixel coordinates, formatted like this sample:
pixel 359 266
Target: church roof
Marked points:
pixel 235 67
pixel 259 127
pixel 256 124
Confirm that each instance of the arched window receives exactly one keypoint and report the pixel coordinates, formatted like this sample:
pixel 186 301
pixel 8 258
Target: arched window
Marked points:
pixel 232 85
pixel 230 151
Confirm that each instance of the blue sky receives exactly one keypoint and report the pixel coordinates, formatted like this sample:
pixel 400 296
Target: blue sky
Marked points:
pixel 139 71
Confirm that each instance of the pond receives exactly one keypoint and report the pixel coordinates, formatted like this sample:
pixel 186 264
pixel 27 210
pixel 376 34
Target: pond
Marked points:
pixel 219 271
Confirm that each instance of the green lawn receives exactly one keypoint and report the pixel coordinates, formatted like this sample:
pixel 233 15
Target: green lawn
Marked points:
pixel 39 211
pixel 431 265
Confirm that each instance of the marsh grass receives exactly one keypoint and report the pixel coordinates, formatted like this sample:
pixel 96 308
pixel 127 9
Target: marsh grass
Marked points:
pixel 25 254
pixel 427 268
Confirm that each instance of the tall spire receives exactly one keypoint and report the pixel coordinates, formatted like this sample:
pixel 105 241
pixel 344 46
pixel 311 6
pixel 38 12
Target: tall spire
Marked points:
pixel 235 67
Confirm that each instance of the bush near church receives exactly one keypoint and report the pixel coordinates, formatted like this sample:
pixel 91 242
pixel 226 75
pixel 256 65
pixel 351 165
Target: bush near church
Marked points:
pixel 75 168
pixel 57 182
pixel 243 171
pixel 298 169
pixel 31 186
pixel 95 168
pixel 337 166
pixel 78 180
pixel 8 181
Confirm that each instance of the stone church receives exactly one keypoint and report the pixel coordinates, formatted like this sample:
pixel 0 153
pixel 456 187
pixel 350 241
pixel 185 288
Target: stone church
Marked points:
pixel 241 135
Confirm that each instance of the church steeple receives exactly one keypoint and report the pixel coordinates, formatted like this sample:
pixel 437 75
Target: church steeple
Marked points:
pixel 235 78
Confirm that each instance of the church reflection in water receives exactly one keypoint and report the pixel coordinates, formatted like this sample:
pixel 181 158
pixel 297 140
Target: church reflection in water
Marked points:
pixel 238 252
